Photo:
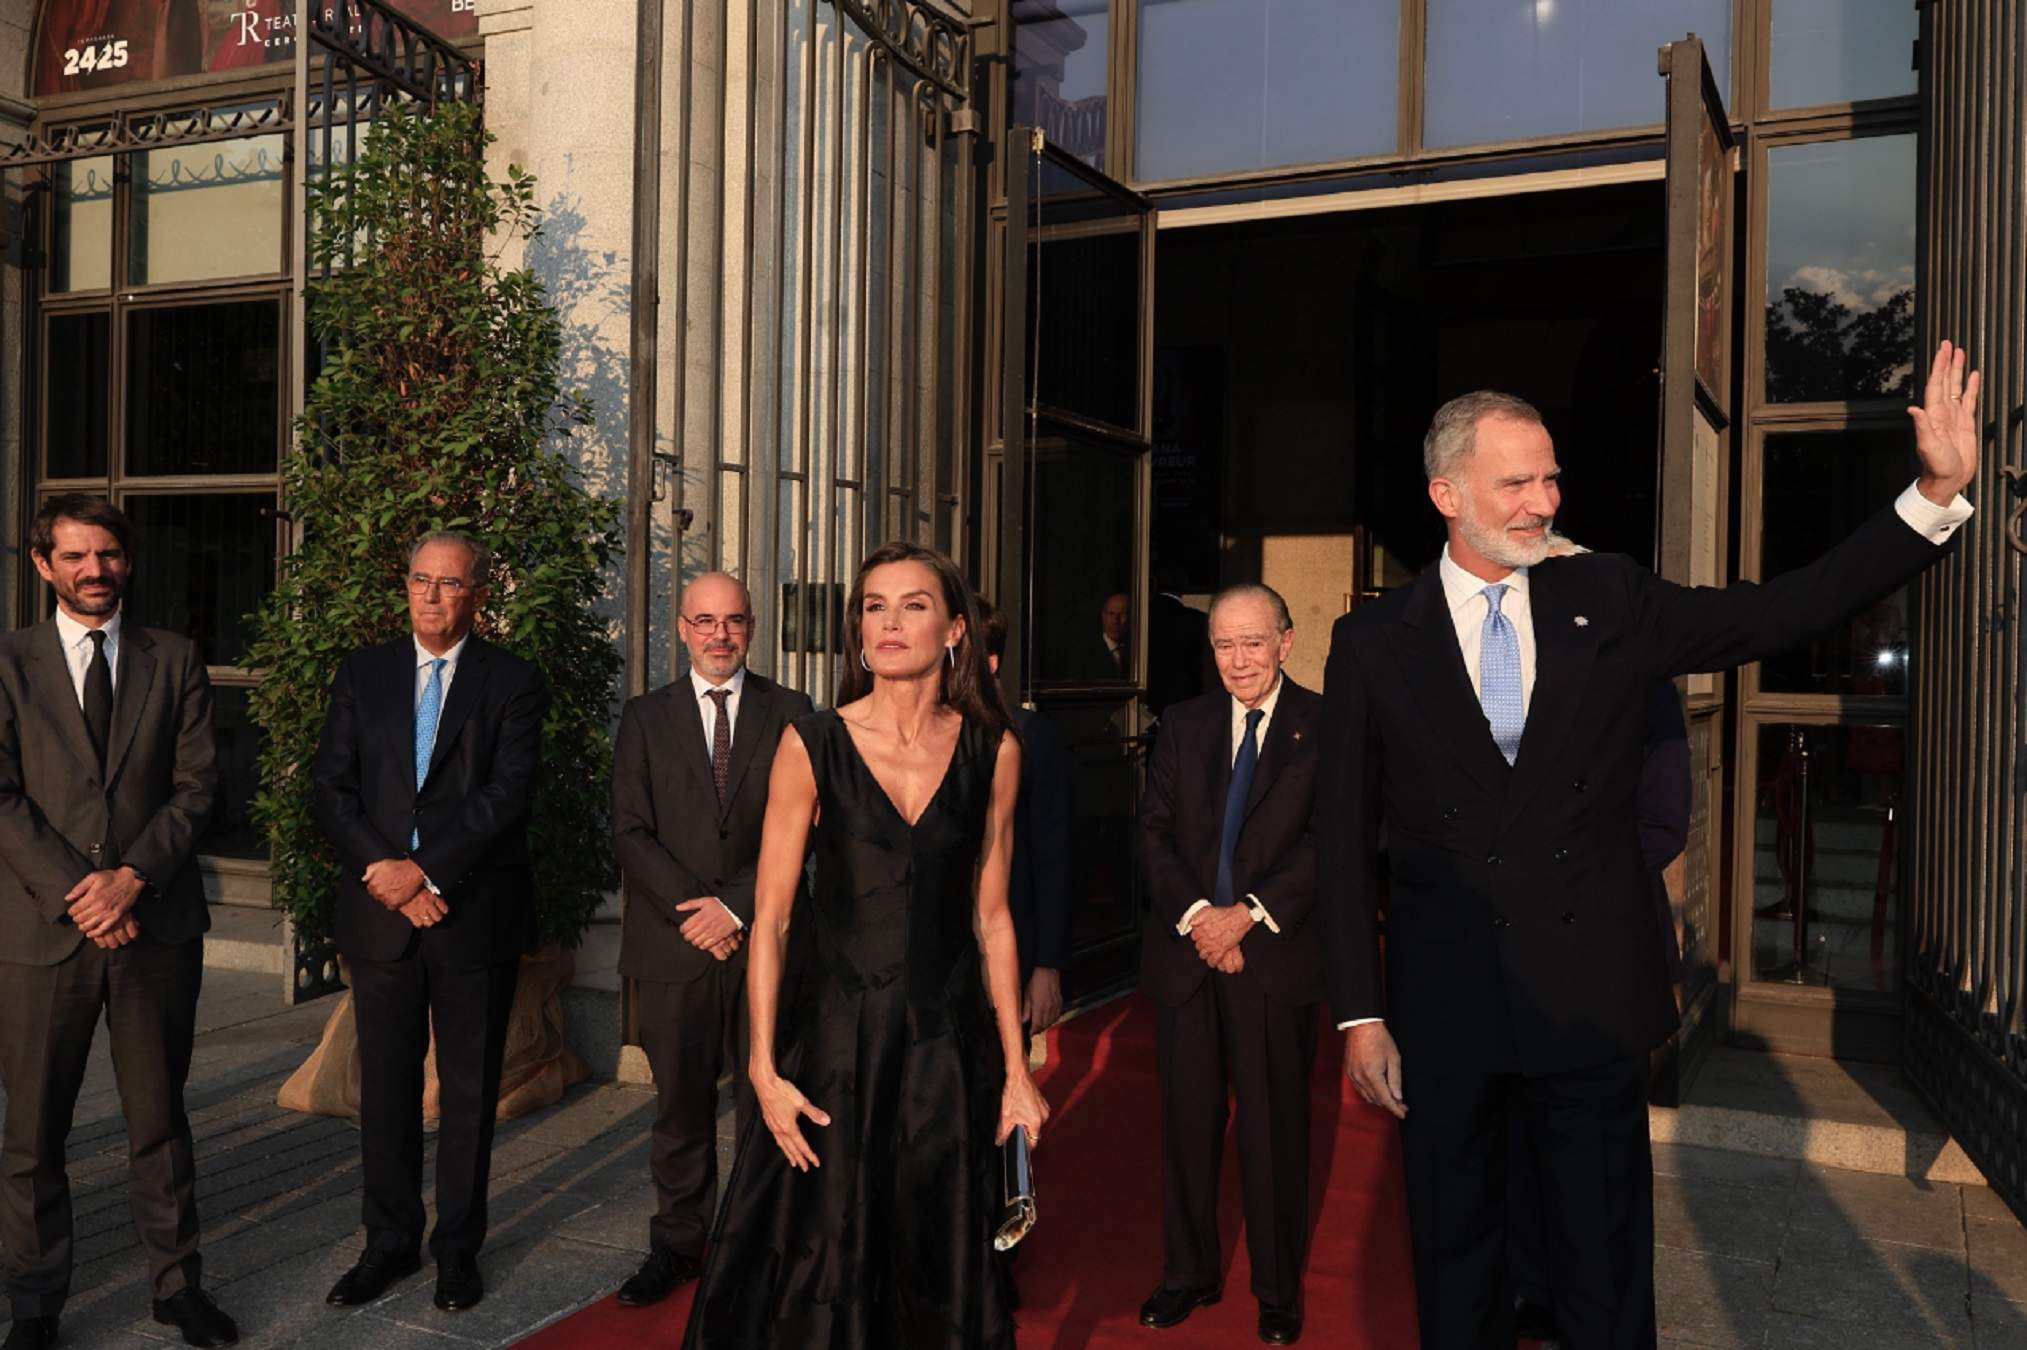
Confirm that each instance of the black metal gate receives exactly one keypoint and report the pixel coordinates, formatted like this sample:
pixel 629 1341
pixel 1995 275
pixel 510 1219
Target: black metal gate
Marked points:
pixel 1965 1043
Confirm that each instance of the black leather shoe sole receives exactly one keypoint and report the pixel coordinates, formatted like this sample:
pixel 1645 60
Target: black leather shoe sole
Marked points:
pixel 364 1283
pixel 1159 1312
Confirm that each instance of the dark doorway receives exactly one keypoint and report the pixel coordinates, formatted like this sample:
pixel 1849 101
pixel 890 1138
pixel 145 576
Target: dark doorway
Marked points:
pixel 1298 361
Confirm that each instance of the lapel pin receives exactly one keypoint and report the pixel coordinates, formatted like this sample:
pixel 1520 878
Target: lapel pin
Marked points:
pixel 1298 735
pixel 1582 622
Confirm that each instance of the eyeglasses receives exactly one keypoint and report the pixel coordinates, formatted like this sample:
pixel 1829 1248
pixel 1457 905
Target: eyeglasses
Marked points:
pixel 420 583
pixel 711 623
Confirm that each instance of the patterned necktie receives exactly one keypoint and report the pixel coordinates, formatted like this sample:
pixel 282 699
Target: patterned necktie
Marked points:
pixel 721 742
pixel 427 714
pixel 1235 802
pixel 98 695
pixel 1499 676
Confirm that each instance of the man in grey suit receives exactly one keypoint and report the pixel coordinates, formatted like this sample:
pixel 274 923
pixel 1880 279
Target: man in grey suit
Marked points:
pixel 689 791
pixel 108 774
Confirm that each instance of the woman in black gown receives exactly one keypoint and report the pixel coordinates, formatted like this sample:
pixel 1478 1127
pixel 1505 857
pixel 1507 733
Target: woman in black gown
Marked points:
pixel 862 1218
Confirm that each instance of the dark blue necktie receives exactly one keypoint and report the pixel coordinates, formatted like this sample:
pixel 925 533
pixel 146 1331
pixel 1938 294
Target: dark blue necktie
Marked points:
pixel 1235 802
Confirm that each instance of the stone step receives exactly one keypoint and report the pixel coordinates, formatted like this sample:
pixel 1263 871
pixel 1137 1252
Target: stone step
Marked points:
pixel 1835 1113
pixel 243 938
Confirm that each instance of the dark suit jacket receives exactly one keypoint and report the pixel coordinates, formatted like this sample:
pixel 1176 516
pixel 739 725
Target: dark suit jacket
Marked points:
pixel 160 787
pixel 1182 816
pixel 675 841
pixel 472 809
pixel 1038 889
pixel 1520 924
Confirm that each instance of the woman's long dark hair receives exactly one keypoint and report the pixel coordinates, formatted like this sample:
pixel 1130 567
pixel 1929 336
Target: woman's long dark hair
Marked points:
pixel 968 684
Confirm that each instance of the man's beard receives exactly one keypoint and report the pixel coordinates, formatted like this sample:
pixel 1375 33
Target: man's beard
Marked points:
pixel 103 602
pixel 1501 547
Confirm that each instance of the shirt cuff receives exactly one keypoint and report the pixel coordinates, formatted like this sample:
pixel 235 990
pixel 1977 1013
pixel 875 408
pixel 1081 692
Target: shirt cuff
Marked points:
pixel 738 924
pixel 1933 523
pixel 1189 917
pixel 1358 1022
pixel 431 885
pixel 1260 914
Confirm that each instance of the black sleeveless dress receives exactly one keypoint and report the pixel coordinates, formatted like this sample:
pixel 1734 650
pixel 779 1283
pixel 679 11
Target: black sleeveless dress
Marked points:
pixel 885 1026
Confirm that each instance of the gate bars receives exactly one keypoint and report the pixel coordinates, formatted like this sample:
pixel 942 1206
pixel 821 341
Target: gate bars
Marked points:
pixel 1965 1043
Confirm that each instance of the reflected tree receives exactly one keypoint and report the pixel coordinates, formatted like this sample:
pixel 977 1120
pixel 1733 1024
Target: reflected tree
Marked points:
pixel 1819 347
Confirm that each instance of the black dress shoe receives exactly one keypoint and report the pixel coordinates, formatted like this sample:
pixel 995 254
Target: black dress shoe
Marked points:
pixel 371 1278
pixel 458 1285
pixel 1280 1325
pixel 658 1277
pixel 201 1321
pixel 31 1333
pixel 1533 1321
pixel 1165 1307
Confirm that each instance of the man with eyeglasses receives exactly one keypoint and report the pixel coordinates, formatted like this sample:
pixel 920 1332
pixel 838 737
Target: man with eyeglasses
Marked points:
pixel 689 790
pixel 424 781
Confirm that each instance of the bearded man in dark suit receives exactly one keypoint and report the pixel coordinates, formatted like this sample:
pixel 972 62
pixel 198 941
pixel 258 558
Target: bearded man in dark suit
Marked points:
pixel 108 774
pixel 424 780
pixel 1231 961
pixel 1492 716
pixel 689 793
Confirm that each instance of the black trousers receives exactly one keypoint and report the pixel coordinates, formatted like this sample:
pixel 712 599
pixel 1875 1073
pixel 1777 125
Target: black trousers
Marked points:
pixel 1587 1133
pixel 395 1004
pixel 1229 1034
pixel 48 1015
pixel 691 1033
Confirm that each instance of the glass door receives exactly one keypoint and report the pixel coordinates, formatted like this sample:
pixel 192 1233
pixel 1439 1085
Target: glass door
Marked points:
pixel 1073 492
pixel 1691 497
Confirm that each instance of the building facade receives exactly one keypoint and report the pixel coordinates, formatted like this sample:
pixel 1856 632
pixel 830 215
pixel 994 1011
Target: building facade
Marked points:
pixel 1120 301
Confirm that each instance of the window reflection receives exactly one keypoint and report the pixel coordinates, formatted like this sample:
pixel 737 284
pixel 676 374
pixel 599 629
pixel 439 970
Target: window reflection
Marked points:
pixel 204 388
pixel 206 211
pixel 1825 882
pixel 1840 51
pixel 1084 330
pixel 202 565
pixel 81 252
pixel 1840 270
pixel 78 396
pixel 232 833
pixel 1819 486
pixel 1062 49
pixel 1084 510
pixel 1253 84
pixel 1502 70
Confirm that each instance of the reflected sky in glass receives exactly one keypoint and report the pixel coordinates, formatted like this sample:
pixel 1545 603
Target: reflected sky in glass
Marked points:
pixel 1840 269
pixel 1839 51
pixel 1227 85
pixel 1502 70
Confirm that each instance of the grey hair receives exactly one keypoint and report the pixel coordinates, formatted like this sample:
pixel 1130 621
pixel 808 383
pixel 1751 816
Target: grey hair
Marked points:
pixel 1253 590
pixel 1453 431
pixel 482 557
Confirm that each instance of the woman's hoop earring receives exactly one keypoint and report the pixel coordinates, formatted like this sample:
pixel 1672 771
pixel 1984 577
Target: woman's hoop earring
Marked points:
pixel 863 662
pixel 951 652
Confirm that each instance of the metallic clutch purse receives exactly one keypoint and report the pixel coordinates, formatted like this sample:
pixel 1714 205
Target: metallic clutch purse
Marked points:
pixel 1017 1191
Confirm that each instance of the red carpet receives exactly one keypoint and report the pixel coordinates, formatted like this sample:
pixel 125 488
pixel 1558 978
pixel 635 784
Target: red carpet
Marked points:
pixel 1096 1252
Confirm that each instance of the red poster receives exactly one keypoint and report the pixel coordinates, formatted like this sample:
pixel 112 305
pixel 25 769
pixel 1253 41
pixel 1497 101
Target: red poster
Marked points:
pixel 99 44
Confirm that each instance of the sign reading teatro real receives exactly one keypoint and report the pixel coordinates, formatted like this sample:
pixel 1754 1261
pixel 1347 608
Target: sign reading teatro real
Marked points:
pixel 100 44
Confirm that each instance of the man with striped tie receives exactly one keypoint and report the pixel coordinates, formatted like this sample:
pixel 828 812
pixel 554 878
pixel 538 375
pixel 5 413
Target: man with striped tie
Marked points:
pixel 1232 963
pixel 424 780
pixel 1492 717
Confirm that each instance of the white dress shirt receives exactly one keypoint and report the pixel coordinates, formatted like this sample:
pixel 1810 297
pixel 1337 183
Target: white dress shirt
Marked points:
pixel 76 640
pixel 424 657
pixel 1465 594
pixel 1239 711
pixel 707 708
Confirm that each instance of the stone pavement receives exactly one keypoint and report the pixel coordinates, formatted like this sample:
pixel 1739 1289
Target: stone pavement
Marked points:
pixel 1751 1251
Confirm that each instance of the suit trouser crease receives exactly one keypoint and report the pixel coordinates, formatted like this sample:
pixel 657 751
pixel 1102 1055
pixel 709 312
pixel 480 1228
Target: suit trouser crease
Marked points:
pixel 1229 1032
pixel 396 1003
pixel 691 1031
pixel 48 1016
pixel 1586 1132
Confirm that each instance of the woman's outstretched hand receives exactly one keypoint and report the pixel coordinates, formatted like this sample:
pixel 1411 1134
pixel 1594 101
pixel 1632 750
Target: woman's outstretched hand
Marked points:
pixel 783 1106
pixel 1020 1103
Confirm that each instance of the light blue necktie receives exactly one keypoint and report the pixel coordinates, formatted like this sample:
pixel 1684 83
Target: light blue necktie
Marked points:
pixel 1499 675
pixel 1235 803
pixel 427 713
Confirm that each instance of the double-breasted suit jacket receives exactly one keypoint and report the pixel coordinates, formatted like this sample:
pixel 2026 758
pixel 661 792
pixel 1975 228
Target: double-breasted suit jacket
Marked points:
pixel 1182 818
pixel 1520 931
pixel 676 840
